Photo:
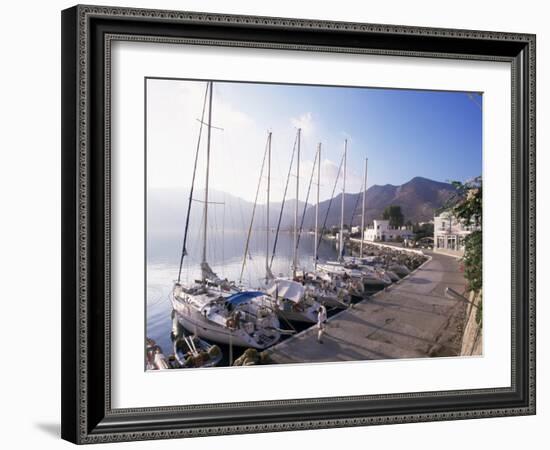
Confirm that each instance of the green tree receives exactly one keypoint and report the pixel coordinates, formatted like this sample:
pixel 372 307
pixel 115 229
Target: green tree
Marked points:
pixel 394 215
pixel 466 203
pixel 467 206
pixel 424 230
pixel 472 260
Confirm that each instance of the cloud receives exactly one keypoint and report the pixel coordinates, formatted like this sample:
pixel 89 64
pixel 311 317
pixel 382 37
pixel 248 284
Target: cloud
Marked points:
pixel 329 169
pixel 346 135
pixel 237 151
pixel 305 122
pixel 173 110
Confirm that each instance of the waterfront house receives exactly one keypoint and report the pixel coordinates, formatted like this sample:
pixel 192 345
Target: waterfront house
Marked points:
pixel 449 233
pixel 381 230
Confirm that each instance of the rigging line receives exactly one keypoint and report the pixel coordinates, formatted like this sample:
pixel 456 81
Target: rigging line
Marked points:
pixel 283 203
pixel 184 246
pixel 283 315
pixel 237 225
pixel 206 184
pixel 330 204
pixel 199 233
pixel 305 204
pixel 473 100
pixel 223 233
pixel 209 202
pixel 253 213
pixel 354 209
pixel 211 126
pixel 213 229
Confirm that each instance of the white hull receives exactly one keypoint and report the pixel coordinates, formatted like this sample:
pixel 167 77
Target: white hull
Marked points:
pixel 288 299
pixel 366 277
pixel 393 276
pixel 375 282
pixel 400 269
pixel 331 301
pixel 297 316
pixel 194 322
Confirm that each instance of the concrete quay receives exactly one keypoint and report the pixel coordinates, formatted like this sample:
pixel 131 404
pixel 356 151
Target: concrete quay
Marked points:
pixel 413 318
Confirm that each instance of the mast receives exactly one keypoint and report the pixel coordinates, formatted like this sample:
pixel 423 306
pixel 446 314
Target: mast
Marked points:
pixel 341 243
pixel 301 228
pixel 295 258
pixel 267 207
pixel 190 202
pixel 283 202
pixel 247 244
pixel 206 180
pixel 363 212
pixel 323 228
pixel 315 256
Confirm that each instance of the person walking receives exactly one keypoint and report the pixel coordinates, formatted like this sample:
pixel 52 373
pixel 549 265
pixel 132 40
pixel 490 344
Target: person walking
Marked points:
pixel 321 323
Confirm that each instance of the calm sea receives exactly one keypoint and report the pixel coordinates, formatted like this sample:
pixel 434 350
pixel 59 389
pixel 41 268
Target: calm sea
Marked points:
pixel 225 255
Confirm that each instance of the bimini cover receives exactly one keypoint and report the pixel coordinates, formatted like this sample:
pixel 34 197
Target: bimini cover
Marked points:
pixel 242 297
pixel 288 289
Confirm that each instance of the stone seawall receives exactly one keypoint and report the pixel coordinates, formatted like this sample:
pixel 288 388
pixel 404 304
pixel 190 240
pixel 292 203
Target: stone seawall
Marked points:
pixel 472 339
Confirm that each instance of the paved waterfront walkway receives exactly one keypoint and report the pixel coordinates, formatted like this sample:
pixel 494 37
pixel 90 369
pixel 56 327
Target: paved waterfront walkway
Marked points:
pixel 411 319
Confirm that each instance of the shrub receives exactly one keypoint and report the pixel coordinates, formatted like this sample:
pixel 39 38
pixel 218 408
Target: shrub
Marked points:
pixel 473 260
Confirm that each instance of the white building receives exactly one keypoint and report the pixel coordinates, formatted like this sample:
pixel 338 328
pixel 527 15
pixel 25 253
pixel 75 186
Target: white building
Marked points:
pixel 449 233
pixel 382 231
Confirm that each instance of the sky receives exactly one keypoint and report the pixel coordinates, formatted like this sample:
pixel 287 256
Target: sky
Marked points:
pixel 403 133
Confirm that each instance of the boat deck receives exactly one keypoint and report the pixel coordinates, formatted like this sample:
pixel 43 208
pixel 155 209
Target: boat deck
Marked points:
pixel 412 318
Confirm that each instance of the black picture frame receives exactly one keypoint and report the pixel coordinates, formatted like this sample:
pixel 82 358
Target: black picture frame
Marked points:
pixel 87 416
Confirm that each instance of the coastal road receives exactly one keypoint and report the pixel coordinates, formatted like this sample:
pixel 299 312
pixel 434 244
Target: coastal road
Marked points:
pixel 412 318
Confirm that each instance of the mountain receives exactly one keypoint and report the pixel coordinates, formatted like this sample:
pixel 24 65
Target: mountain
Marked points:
pixel 418 198
pixel 167 211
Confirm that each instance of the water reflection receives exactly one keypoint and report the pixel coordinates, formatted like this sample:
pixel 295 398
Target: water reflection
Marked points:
pixel 225 255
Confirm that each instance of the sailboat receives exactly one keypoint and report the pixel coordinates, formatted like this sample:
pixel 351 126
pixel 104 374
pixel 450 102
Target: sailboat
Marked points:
pixel 213 308
pixel 337 268
pixel 330 291
pixel 374 276
pixel 285 296
pixel 326 290
pixel 368 276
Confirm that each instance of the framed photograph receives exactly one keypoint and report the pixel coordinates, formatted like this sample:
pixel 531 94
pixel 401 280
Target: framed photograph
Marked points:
pixel 268 222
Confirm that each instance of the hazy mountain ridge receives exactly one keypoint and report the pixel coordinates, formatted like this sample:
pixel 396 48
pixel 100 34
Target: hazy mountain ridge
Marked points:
pixel 418 198
pixel 167 211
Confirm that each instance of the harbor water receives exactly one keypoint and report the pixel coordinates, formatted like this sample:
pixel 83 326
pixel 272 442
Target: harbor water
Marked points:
pixel 225 256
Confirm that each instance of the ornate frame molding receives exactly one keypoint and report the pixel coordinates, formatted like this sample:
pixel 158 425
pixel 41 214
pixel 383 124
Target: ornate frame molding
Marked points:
pixel 80 66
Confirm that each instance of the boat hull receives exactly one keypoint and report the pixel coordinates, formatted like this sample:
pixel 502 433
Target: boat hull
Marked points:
pixel 194 322
pixel 331 301
pixel 374 282
pixel 202 346
pixel 296 316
